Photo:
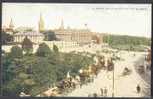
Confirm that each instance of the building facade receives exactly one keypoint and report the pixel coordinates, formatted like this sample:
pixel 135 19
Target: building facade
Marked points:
pixel 35 37
pixel 81 36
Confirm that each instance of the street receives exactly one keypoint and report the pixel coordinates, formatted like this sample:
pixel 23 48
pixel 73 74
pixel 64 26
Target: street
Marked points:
pixel 124 86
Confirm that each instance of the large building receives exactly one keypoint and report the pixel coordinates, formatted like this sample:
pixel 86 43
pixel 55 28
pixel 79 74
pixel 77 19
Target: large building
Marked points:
pixel 81 36
pixel 34 36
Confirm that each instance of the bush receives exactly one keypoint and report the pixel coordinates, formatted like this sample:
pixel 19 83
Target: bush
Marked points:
pixel 43 50
pixel 35 74
pixel 16 52
pixel 6 38
pixel 55 48
pixel 27 45
pixel 49 36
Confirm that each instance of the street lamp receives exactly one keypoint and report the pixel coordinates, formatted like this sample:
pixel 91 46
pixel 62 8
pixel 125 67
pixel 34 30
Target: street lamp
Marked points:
pixel 113 81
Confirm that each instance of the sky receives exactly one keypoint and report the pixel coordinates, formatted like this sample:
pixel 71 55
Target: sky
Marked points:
pixel 122 19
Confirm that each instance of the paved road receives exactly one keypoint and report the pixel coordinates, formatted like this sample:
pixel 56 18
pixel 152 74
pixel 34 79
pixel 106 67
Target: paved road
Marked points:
pixel 124 86
pixel 146 77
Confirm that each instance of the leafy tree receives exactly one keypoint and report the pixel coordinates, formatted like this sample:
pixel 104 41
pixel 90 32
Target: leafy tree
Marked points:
pixel 125 42
pixel 43 50
pixel 43 72
pixel 55 48
pixel 34 74
pixel 27 45
pixel 12 88
pixel 8 67
pixel 49 36
pixel 6 38
pixel 16 52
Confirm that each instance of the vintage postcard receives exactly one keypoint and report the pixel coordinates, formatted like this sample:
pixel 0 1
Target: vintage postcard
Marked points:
pixel 76 50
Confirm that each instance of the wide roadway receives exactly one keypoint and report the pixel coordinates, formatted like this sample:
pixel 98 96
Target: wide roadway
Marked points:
pixel 125 86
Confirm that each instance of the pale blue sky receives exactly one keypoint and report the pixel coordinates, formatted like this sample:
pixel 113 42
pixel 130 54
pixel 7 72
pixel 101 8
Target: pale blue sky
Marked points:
pixel 131 19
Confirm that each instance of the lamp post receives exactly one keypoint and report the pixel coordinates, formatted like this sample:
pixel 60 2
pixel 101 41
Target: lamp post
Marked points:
pixel 113 81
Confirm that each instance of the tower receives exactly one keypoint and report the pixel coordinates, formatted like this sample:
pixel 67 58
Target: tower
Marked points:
pixel 11 26
pixel 41 24
pixel 62 25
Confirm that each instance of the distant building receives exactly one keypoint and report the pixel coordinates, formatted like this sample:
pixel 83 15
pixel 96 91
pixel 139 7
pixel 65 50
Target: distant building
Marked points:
pixel 81 36
pixel 9 29
pixel 61 44
pixel 23 29
pixel 35 37
pixel 97 38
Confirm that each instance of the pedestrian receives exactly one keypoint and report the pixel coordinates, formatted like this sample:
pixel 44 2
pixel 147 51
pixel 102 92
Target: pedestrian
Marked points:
pixel 105 91
pixel 101 90
pixel 95 94
pixel 138 88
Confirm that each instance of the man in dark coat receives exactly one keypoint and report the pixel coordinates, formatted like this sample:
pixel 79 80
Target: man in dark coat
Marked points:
pixel 138 88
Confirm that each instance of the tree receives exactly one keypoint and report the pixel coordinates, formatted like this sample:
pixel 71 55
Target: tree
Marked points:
pixel 43 50
pixel 33 74
pixel 55 48
pixel 44 72
pixel 27 45
pixel 49 36
pixel 16 52
pixel 6 38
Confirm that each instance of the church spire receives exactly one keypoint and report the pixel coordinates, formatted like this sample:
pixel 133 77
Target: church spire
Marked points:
pixel 41 23
pixel 11 26
pixel 62 24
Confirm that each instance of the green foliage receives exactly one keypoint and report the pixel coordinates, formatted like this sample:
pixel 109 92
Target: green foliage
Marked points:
pixel 55 48
pixel 16 52
pixel 116 39
pixel 44 74
pixel 27 45
pixel 126 42
pixel 12 88
pixel 43 50
pixel 6 38
pixel 8 67
pixel 33 74
pixel 49 36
